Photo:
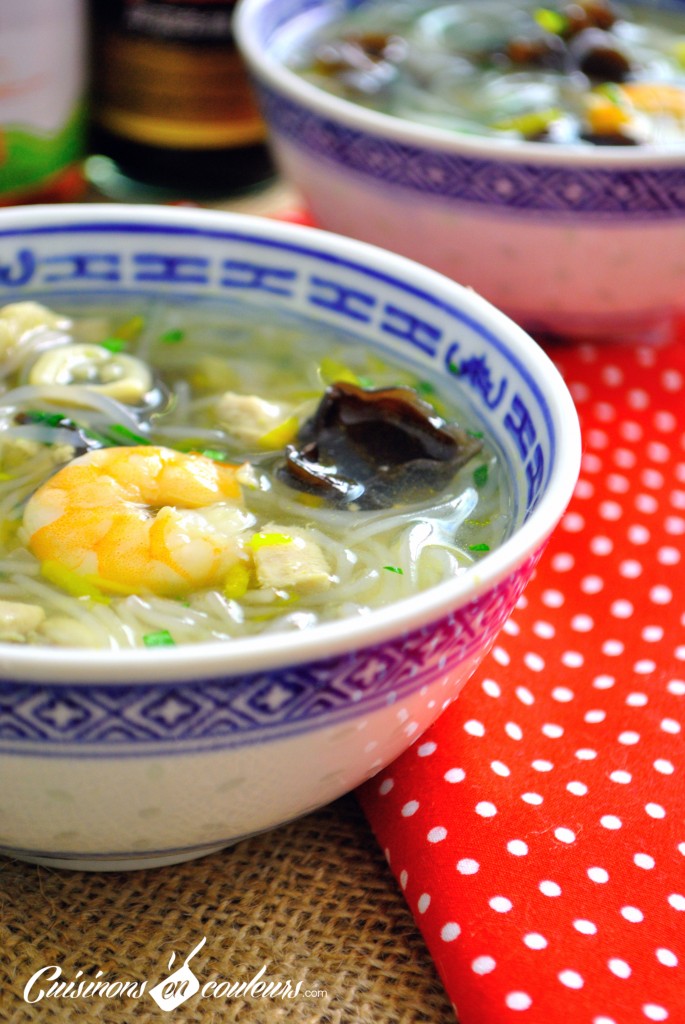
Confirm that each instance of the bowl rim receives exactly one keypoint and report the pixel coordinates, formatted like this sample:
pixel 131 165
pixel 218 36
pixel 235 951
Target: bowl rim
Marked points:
pixel 274 73
pixel 219 658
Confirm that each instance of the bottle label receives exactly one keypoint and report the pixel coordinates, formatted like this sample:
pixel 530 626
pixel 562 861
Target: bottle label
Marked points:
pixel 170 75
pixel 42 83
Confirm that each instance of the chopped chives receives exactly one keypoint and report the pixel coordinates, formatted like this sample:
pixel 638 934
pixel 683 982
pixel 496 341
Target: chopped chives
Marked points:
pixel 394 568
pixel 173 336
pixel 479 547
pixel 160 638
pixel 119 430
pixel 480 475
pixel 113 344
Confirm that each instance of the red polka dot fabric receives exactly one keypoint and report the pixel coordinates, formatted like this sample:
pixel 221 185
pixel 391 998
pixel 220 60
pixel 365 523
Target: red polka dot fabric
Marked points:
pixel 537 830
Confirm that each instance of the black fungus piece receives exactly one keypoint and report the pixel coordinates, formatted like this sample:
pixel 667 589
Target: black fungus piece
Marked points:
pixel 608 139
pixel 543 51
pixel 374 448
pixel 597 54
pixel 588 14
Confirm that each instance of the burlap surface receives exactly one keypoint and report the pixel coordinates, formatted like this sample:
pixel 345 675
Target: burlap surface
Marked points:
pixel 312 902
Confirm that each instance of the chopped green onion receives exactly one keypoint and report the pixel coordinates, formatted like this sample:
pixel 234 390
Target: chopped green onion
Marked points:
pixel 119 430
pixel 475 433
pixel 424 387
pixel 480 475
pixel 394 568
pixel 113 344
pixel 160 638
pixel 454 369
pixel 479 547
pixel 52 419
pixel 551 21
pixel 173 336
pixel 214 453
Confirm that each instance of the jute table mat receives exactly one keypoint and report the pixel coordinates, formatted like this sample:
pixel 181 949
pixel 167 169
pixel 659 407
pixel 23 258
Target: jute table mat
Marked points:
pixel 312 902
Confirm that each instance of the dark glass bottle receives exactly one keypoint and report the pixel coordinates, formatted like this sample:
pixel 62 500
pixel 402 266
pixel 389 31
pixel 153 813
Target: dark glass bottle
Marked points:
pixel 171 105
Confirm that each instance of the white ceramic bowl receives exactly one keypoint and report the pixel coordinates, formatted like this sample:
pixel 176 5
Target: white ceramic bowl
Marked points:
pixel 114 760
pixel 568 240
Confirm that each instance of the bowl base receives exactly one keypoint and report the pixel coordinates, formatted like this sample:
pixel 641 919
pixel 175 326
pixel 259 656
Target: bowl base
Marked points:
pixel 125 862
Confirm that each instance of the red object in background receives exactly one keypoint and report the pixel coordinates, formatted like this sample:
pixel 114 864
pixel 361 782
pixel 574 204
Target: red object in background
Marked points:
pixel 538 828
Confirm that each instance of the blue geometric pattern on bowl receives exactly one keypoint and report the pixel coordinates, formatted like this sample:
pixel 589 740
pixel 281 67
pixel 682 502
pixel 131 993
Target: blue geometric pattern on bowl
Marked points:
pixel 520 187
pixel 210 714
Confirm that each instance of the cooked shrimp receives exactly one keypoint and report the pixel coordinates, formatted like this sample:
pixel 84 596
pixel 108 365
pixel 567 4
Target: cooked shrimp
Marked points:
pixel 139 519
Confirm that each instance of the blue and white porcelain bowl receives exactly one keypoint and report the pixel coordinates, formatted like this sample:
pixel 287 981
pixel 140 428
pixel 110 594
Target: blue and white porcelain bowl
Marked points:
pixel 126 759
pixel 581 242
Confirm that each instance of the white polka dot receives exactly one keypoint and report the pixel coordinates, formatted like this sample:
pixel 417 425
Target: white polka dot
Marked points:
pixel 621 609
pixel 585 927
pixel 646 503
pixel 552 598
pixel 511 628
pixel 603 682
pixel 565 835
pixel 513 731
pixel 552 730
pixel 661 594
pixel 677 901
pixel 621 776
pixel 501 904
pixel 423 902
pixel 572 659
pixel 598 875
pixel 571 979
pixel 486 809
pixel 655 810
pixel 437 834
pixel 637 700
pixel 666 957
pixel 500 656
pixel 572 522
pixel 541 765
pixel 474 727
pixel 577 788
pixel 450 931
pixel 454 775
pixel 594 716
pixel 385 786
pixel 563 562
pixel 630 569
pixel 524 695
pixel 586 754
pixel 404 878
pixel 582 623
pixel 483 965
pixel 500 769
pixel 629 738
pixel 638 534
pixel 603 1020
pixel 517 847
pixel 663 766
pixel 592 584
pixel 619 967
pixel 676 687
pixel 670 725
pixel 562 694
pixel 549 888
pixel 426 749
pixel 644 860
pixel 491 688
pixel 518 1001
pixel 535 941
pixel 653 1011
pixel 533 661
pixel 632 914
pixel 617 483
pixel 601 545
pixel 675 525
pixel 668 556
pixel 612 648
pixel 467 866
pixel 652 634
pixel 545 630
pixel 610 510
pixel 532 798
pixel 411 807
pixel 611 822
pixel 644 667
